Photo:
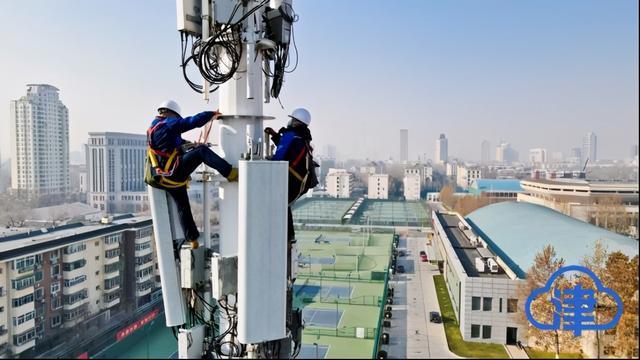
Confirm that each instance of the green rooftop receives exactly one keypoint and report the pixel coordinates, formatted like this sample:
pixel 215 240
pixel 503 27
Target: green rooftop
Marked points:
pixel 341 287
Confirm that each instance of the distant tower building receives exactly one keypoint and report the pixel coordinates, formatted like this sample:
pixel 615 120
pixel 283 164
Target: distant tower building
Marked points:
pixel 379 186
pixel 576 156
pixel 590 147
pixel 330 151
pixel 40 145
pixel 634 151
pixel 505 154
pixel 404 145
pixel 485 152
pixel 115 172
pixel 441 149
pixel 538 156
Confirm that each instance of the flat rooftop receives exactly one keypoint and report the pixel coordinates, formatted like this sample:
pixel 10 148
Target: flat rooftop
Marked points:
pixel 466 252
pixel 392 213
pixel 30 241
pixel 340 288
pixel 321 210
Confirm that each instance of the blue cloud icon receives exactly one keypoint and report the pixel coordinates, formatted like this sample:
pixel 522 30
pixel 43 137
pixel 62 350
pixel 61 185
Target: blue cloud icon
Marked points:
pixel 576 311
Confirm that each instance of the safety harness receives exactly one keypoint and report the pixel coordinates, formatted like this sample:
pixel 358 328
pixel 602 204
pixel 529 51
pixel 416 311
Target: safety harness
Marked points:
pixel 159 173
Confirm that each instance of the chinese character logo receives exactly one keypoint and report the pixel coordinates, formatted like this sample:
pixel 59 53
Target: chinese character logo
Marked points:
pixel 574 307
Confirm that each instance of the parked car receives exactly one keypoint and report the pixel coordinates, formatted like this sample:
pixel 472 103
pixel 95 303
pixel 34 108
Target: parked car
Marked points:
pixel 434 317
pixel 400 269
pixel 423 256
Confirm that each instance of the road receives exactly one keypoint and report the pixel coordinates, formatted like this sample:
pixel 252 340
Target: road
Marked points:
pixel 411 335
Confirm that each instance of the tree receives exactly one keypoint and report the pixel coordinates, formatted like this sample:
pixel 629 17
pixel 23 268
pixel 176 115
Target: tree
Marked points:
pixel 13 210
pixel 544 265
pixel 447 197
pixel 597 263
pixel 623 279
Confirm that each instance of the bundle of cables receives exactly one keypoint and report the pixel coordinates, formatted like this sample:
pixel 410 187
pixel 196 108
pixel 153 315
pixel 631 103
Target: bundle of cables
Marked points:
pixel 281 63
pixel 217 57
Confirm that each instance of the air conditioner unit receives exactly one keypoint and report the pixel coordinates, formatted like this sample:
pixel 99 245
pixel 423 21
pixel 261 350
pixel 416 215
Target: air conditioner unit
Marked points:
pixel 493 265
pixel 480 266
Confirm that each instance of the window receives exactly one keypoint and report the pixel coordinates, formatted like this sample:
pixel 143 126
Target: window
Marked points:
pixel 38 275
pixel 24 263
pixel 56 302
pixel 56 321
pixel 111 239
pixel 75 297
pixel 55 287
pixel 23 282
pixel 500 306
pixel 111 283
pixel 39 293
pixel 75 281
pixel 486 331
pixel 475 331
pixel 486 304
pixel 144 259
pixel 143 246
pixel 22 300
pixel 71 249
pixel 98 257
pixel 111 253
pixel 24 337
pixel 512 305
pixel 109 268
pixel 74 265
pixel 475 303
pixel 23 318
pixel 55 270
pixel 97 243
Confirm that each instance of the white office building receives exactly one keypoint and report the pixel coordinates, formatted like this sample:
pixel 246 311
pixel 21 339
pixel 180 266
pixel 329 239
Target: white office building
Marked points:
pixel 538 156
pixel 412 186
pixel 379 186
pixel 115 172
pixel 466 175
pixel 442 149
pixel 40 145
pixel 339 183
pixel 482 287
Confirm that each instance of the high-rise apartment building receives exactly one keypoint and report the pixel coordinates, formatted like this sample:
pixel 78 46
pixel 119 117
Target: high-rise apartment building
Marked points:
pixel 40 145
pixel 485 157
pixel 115 172
pixel 441 149
pixel 378 186
pixel 404 145
pixel 590 147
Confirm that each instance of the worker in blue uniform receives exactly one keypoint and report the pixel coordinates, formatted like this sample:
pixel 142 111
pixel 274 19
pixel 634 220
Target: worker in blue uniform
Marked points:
pixel 294 145
pixel 171 159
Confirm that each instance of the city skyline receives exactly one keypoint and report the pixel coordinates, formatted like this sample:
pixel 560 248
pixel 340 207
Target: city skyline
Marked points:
pixel 580 70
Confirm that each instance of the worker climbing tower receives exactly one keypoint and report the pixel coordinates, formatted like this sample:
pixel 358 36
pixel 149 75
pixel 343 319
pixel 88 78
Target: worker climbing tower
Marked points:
pixel 235 300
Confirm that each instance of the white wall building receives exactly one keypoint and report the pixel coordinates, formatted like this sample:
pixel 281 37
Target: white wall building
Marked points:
pixel 412 186
pixel 379 186
pixel 442 149
pixel 40 145
pixel 451 169
pixel 115 172
pixel 466 175
pixel 538 156
pixel 339 183
pixel 482 288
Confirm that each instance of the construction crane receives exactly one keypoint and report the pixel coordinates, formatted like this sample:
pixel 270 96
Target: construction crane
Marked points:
pixel 236 302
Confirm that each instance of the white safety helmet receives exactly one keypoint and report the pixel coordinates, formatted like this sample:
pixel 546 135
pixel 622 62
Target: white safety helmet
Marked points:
pixel 171 105
pixel 301 115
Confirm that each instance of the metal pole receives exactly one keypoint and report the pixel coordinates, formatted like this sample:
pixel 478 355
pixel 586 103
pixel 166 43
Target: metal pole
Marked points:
pixel 316 344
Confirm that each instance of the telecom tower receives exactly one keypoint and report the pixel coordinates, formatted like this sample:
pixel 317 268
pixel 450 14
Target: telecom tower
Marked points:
pixel 236 302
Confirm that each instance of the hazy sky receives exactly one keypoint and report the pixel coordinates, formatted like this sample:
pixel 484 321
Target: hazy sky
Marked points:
pixel 534 73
